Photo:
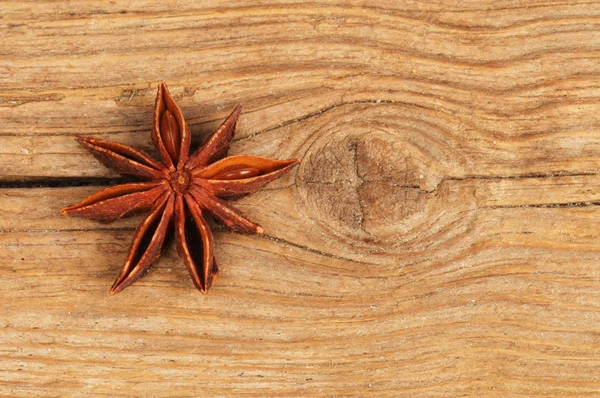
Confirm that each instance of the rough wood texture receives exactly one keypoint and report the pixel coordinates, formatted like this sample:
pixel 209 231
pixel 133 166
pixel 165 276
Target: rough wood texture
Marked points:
pixel 440 237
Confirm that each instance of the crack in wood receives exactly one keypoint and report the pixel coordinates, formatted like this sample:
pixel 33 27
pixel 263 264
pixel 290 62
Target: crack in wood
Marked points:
pixel 520 176
pixel 69 230
pixel 311 250
pixel 545 205
pixel 321 111
pixel 62 182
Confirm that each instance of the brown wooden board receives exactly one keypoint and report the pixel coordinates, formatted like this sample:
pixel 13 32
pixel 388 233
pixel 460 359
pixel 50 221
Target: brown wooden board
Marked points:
pixel 439 238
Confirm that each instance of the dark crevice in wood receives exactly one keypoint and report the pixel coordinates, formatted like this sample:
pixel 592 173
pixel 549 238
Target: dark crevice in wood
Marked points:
pixel 60 182
pixel 309 249
pixel 545 205
pixel 68 230
pixel 520 176
pixel 318 112
pixel 51 182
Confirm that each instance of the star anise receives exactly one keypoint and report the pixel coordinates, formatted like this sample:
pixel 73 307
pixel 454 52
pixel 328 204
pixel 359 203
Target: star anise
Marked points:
pixel 179 190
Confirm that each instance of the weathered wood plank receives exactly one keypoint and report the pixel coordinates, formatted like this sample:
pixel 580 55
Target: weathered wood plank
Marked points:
pixel 440 144
pixel 521 297
pixel 525 85
pixel 439 237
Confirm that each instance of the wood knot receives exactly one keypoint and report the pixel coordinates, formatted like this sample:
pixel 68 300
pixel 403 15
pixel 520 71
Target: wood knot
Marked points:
pixel 365 184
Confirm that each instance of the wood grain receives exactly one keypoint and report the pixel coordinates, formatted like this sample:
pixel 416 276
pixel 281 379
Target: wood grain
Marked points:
pixel 439 237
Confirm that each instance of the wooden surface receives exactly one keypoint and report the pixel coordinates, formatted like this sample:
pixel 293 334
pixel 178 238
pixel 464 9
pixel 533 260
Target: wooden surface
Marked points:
pixel 440 237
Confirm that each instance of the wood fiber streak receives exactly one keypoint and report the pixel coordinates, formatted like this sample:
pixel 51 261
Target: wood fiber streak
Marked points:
pixel 439 237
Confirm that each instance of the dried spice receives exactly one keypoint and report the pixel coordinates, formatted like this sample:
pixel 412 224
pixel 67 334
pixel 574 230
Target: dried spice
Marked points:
pixel 178 191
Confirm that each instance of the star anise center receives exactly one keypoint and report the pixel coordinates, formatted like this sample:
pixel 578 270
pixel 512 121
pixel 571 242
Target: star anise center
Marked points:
pixel 179 181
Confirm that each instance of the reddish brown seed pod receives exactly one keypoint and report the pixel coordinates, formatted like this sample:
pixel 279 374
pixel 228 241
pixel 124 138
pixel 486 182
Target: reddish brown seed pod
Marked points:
pixel 177 192
pixel 171 134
